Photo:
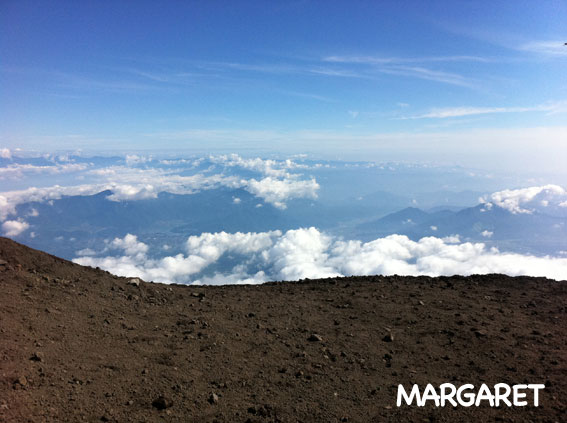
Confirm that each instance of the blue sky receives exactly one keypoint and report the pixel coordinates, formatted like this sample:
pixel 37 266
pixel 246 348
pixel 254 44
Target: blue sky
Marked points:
pixel 475 83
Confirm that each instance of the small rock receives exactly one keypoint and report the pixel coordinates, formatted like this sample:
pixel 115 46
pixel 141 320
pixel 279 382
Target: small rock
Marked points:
pixel 22 381
pixel 3 262
pixel 37 356
pixel 134 282
pixel 315 338
pixel 421 302
pixel 480 333
pixel 213 398
pixel 389 337
pixel 161 403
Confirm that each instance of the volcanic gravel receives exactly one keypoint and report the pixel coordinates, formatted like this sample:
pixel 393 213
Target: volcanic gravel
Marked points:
pixel 79 344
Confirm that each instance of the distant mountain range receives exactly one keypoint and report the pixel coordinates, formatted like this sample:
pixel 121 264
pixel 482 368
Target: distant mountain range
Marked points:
pixel 70 224
pixel 536 232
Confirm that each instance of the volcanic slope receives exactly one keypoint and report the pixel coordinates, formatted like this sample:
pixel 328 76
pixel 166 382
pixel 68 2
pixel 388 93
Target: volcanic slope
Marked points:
pixel 79 344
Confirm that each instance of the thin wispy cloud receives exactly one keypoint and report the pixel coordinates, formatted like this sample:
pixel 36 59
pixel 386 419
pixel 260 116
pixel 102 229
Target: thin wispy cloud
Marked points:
pixel 431 75
pixel 284 69
pixel 411 67
pixel 75 81
pixel 555 48
pixel 379 60
pixel 452 112
pixel 308 96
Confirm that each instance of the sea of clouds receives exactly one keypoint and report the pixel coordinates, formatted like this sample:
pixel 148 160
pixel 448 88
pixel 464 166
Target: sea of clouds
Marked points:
pixel 310 253
pixel 274 186
pixel 264 256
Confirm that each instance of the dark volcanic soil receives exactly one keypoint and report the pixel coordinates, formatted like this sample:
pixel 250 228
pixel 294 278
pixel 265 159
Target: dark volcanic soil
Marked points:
pixel 79 344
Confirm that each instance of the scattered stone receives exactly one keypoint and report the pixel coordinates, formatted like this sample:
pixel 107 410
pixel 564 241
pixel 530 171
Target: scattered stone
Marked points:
pixel 134 282
pixel 421 302
pixel 315 338
pixel 261 411
pixel 480 333
pixel 21 381
pixel 389 337
pixel 213 398
pixel 37 356
pixel 3 262
pixel 161 403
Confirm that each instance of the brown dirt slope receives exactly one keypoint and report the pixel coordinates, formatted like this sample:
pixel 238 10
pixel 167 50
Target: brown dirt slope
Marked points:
pixel 79 344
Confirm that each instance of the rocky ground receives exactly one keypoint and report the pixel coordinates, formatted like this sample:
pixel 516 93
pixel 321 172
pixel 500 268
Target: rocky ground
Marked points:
pixel 79 344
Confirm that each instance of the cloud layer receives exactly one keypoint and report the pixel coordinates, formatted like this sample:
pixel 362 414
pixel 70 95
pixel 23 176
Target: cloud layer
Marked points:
pixel 310 253
pixel 141 178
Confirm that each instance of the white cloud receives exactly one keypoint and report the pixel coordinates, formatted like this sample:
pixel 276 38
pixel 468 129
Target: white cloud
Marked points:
pixel 130 245
pixel 17 170
pixel 487 234
pixel 268 167
pixel 86 252
pixel 5 153
pixel 527 200
pixel 301 253
pixel 9 200
pixel 201 250
pixel 14 227
pixel 278 191
pixel 236 200
pixel 310 253
pixel 134 159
